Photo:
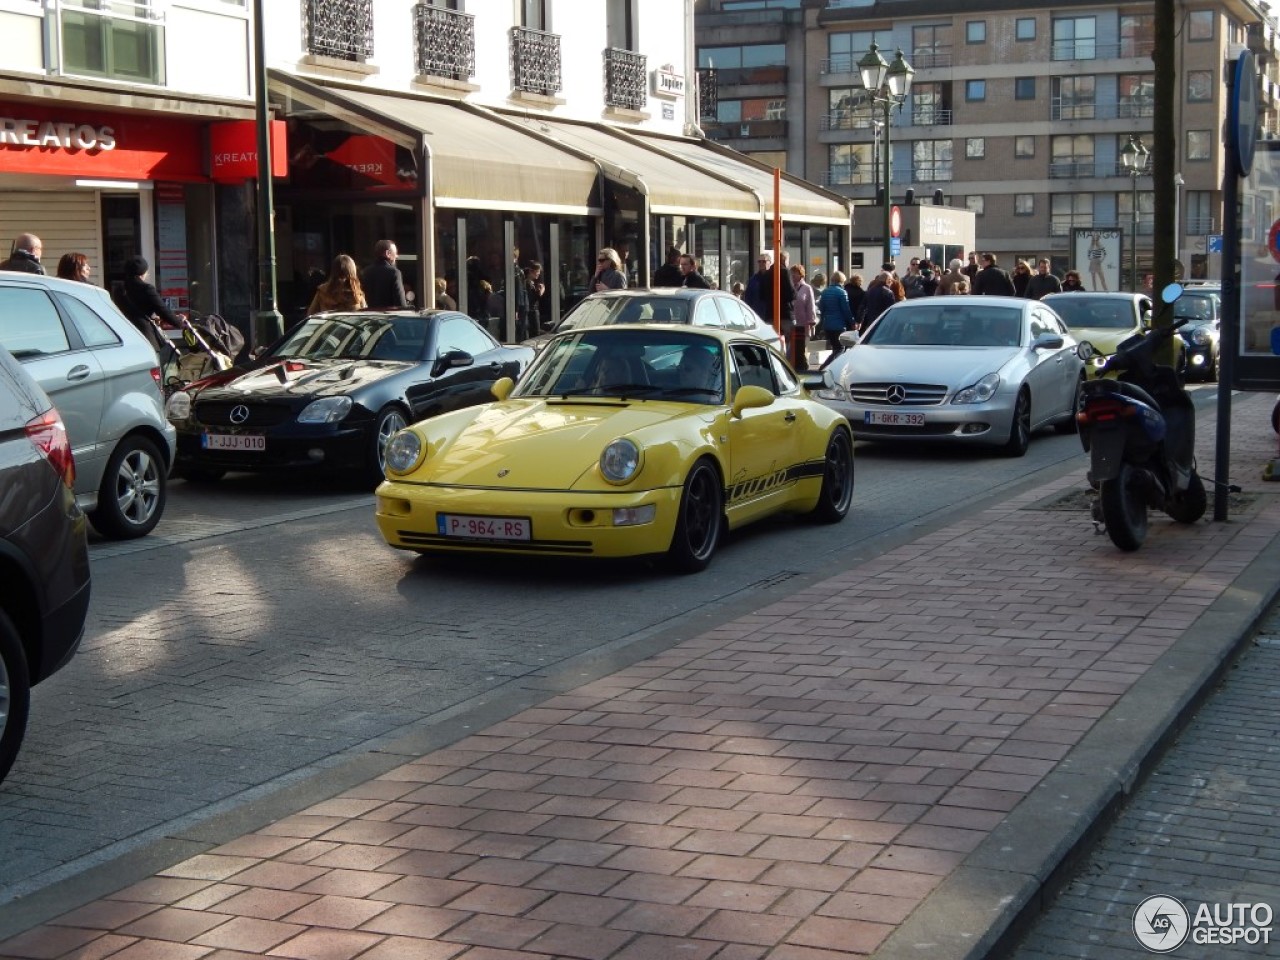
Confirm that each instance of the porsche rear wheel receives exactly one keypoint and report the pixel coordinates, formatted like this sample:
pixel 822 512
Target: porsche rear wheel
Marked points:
pixel 837 479
pixel 700 520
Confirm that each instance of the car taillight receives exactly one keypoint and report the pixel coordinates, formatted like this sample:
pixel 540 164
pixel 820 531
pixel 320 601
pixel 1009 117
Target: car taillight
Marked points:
pixel 49 435
pixel 157 377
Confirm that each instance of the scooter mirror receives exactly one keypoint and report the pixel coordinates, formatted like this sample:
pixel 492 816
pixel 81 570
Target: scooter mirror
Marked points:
pixel 1171 293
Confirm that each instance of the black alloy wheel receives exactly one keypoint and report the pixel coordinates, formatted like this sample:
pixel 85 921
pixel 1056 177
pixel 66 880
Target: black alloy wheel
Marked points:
pixel 837 479
pixel 700 520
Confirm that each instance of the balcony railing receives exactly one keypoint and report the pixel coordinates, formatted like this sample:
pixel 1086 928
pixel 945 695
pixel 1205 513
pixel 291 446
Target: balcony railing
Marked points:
pixel 624 78
pixel 1133 109
pixel 842 176
pixel 931 116
pixel 745 129
pixel 444 42
pixel 1092 50
pixel 535 61
pixel 936 172
pixel 752 76
pixel 339 28
pixel 1072 169
pixel 1201 226
pixel 937 57
pixel 921 60
pixel 112 39
pixel 848 120
pixel 708 92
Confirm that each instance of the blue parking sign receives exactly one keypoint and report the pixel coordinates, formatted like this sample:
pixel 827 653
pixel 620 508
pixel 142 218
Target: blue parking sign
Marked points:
pixel 1215 243
pixel 895 246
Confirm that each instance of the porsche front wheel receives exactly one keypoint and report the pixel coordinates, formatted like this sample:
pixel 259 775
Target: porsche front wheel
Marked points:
pixel 837 479
pixel 699 521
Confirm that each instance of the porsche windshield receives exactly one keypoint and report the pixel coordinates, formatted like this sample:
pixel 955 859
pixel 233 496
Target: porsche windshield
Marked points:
pixel 629 309
pixel 1077 310
pixel 640 364
pixel 948 324
pixel 356 337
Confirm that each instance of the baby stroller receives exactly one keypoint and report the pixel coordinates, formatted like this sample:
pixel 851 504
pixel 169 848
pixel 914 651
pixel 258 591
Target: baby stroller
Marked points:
pixel 208 345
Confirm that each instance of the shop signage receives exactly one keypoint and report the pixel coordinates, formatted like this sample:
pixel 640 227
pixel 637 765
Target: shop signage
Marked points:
pixel 111 146
pixel 668 83
pixel 233 150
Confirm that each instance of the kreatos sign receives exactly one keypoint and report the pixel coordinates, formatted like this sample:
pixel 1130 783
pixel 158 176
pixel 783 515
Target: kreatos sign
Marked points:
pixel 20 132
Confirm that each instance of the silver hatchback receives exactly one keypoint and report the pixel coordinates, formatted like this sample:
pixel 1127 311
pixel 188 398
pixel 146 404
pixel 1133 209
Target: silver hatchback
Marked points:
pixel 104 378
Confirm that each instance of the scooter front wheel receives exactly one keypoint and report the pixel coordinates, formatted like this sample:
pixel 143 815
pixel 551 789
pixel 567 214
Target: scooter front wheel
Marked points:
pixel 1124 508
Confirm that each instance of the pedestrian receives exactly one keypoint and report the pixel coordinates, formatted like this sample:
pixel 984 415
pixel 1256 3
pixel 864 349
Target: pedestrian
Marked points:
pixel 738 290
pixel 913 282
pixel 535 289
pixel 854 290
pixel 1021 276
pixel 477 294
pixel 961 286
pixel 689 275
pixel 382 283
pixel 819 283
pixel 1071 282
pixel 74 266
pixel 755 293
pixel 443 300
pixel 954 274
pixel 141 303
pixel 879 298
pixel 971 268
pixel 25 255
pixel 1042 281
pixel 895 282
pixel 668 275
pixel 342 291
pixel 991 280
pixel 928 278
pixel 804 318
pixel 608 275
pixel 837 314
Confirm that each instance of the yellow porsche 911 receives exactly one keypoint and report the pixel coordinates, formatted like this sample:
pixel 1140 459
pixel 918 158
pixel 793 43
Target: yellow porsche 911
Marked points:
pixel 620 441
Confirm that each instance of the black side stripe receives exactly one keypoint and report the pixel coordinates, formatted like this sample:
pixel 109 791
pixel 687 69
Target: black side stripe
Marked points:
pixel 746 489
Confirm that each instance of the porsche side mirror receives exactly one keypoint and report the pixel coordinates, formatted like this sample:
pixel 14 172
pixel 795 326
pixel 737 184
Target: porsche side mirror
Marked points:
pixel 750 397
pixel 502 388
pixel 814 383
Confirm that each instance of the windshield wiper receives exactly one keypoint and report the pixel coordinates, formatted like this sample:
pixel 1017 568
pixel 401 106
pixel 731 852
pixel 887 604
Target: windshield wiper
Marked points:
pixel 690 391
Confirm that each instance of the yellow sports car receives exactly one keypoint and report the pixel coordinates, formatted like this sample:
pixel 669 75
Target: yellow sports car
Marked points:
pixel 620 441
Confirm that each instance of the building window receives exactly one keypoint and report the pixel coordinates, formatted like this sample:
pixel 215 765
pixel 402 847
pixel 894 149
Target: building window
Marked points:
pixel 850 163
pixel 1137 34
pixel 1199 86
pixel 930 104
pixel 620 25
pixel 744 57
pixel 1074 98
pixel 975 31
pixel 975 90
pixel 533 15
pixel 1137 97
pixel 975 148
pixel 99 40
pixel 1071 155
pixel 1026 28
pixel 1023 147
pixel 1024 88
pixel 1067 210
pixel 1146 209
pixel 931 160
pixel 844 50
pixel 1024 204
pixel 535 61
pixel 931 46
pixel 848 108
pixel 444 42
pixel 756 108
pixel 1075 38
pixel 1199 144
pixel 1200 211
pixel 1200 24
pixel 977 203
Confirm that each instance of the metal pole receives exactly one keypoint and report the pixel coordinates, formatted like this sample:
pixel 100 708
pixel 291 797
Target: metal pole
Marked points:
pixel 1229 335
pixel 1133 259
pixel 887 152
pixel 268 324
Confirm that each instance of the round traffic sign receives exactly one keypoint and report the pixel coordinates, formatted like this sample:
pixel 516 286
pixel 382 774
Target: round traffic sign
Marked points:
pixel 895 221
pixel 1273 241
pixel 1242 112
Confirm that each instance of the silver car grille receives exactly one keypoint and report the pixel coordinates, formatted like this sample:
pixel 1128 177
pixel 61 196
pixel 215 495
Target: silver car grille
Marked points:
pixel 902 394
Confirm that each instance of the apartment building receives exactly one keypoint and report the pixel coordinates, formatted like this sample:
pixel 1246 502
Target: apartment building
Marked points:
pixel 1018 112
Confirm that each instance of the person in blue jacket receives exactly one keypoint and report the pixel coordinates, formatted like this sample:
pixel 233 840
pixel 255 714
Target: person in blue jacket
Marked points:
pixel 837 316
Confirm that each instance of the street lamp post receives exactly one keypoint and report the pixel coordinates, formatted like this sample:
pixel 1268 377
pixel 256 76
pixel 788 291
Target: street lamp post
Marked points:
pixel 888 85
pixel 1178 184
pixel 1134 156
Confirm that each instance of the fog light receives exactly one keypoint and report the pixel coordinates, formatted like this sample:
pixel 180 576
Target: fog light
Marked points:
pixel 1197 361
pixel 316 454
pixel 631 516
pixel 975 428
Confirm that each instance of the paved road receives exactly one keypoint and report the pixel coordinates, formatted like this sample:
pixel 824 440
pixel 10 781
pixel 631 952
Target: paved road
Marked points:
pixel 1203 829
pixel 263 634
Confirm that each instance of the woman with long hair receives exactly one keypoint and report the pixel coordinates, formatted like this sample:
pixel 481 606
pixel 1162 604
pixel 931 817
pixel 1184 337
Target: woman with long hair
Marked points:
pixel 342 290
pixel 74 266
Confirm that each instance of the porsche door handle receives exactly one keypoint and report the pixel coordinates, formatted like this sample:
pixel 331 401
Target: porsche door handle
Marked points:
pixel 789 416
pixel 77 373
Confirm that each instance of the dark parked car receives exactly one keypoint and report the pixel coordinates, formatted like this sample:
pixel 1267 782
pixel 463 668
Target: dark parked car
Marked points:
pixel 44 555
pixel 1202 306
pixel 333 391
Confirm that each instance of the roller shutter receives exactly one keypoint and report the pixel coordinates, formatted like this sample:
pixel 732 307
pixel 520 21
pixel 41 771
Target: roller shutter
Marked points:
pixel 67 221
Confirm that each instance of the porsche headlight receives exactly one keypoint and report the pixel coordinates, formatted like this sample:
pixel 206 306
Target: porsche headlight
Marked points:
pixel 620 461
pixel 980 392
pixel 179 406
pixel 1201 337
pixel 326 410
pixel 405 452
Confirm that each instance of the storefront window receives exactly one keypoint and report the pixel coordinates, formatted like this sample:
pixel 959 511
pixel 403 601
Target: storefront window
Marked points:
pixel 739 256
pixel 184 265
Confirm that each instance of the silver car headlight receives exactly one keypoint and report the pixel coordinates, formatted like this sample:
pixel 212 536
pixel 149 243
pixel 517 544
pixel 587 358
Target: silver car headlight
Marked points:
pixel 179 406
pixel 832 392
pixel 405 452
pixel 620 461
pixel 980 392
pixel 326 410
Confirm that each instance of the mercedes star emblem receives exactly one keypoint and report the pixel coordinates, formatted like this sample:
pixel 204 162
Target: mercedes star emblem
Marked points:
pixel 239 413
pixel 896 393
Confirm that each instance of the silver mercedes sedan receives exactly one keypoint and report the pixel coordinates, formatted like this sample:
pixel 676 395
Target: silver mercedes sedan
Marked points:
pixel 967 369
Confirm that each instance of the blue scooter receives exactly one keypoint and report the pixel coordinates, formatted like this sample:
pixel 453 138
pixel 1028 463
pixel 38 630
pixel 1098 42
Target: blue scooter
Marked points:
pixel 1138 425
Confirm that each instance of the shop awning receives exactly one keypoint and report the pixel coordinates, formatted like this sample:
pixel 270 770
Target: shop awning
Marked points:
pixel 673 187
pixel 799 201
pixel 476 162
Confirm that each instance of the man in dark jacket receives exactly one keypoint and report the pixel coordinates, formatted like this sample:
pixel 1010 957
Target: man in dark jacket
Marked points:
pixel 992 280
pixel 26 255
pixel 689 275
pixel 1043 282
pixel 142 304
pixel 668 275
pixel 383 285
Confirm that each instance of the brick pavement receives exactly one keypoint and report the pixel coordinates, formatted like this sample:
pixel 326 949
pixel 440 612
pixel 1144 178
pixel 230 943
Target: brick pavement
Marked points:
pixel 804 782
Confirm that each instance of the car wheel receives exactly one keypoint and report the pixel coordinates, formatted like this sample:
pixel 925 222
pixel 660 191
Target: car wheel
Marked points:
pixel 15 693
pixel 1069 425
pixel 1020 428
pixel 699 521
pixel 391 420
pixel 132 496
pixel 837 479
